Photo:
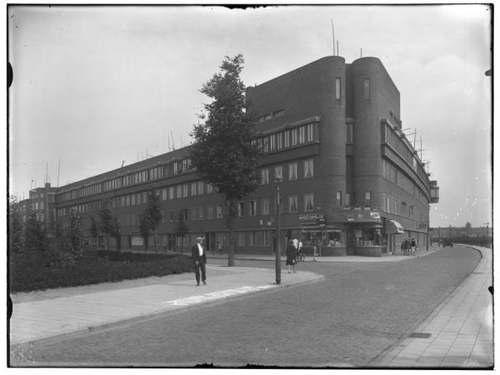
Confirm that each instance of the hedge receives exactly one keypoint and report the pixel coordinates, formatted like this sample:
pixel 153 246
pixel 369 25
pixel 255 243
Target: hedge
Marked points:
pixel 94 267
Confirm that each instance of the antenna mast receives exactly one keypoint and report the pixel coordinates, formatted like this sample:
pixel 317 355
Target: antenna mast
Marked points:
pixel 58 170
pixel 333 37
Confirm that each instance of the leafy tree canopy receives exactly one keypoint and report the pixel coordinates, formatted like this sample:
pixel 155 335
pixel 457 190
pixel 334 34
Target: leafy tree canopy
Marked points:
pixel 223 153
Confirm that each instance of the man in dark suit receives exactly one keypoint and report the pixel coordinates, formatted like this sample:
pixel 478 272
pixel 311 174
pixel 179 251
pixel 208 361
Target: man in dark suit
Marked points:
pixel 199 260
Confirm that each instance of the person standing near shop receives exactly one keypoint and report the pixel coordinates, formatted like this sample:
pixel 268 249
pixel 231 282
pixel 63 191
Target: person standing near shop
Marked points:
pixel 291 255
pixel 199 260
pixel 413 246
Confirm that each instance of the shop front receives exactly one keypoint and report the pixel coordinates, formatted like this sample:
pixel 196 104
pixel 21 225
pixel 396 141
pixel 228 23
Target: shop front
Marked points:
pixel 322 239
pixel 365 233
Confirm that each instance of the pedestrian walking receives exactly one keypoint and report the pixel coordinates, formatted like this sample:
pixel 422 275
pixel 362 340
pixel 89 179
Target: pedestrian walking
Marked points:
pixel 413 246
pixel 300 252
pixel 291 255
pixel 199 261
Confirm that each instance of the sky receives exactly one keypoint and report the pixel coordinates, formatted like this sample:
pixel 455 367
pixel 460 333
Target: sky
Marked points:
pixel 96 86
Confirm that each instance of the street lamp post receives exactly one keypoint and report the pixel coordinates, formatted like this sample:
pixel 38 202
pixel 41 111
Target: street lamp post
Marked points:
pixel 278 231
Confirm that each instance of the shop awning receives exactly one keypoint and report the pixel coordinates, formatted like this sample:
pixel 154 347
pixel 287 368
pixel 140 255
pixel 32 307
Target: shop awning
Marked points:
pixel 394 227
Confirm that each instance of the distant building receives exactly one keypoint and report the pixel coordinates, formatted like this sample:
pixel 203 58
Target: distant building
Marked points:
pixel 352 183
pixel 461 232
pixel 41 202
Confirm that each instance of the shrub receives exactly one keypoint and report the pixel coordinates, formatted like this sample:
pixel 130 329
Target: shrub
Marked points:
pixel 93 267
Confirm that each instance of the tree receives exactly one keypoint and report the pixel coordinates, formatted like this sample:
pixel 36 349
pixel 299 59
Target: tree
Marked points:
pixel 116 233
pixel 181 226
pixel 223 152
pixel 35 241
pixel 106 224
pixel 74 235
pixel 15 227
pixel 150 218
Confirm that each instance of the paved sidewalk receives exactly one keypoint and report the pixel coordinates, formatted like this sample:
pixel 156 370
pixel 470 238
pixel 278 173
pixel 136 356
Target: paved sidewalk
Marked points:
pixel 461 328
pixel 44 314
pixel 340 259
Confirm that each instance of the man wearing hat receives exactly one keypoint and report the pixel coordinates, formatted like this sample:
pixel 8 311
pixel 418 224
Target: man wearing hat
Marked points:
pixel 199 260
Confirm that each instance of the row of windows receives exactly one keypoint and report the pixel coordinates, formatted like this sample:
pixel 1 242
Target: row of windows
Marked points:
pixel 307 171
pixel 270 143
pixel 271 115
pixel 255 238
pixel 407 154
pixel 170 169
pixel 288 138
pixel 390 172
pixel 394 206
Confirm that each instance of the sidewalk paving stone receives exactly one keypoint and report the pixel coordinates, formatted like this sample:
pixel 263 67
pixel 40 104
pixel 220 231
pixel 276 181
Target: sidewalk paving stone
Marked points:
pixel 461 328
pixel 50 313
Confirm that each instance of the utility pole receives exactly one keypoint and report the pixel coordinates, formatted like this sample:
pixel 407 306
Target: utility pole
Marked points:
pixel 278 232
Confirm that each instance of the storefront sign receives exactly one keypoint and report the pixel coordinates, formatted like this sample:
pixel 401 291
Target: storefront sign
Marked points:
pixel 312 220
pixel 137 241
pixel 312 216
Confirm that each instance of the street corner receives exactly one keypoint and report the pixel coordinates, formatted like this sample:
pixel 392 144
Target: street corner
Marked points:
pixel 300 277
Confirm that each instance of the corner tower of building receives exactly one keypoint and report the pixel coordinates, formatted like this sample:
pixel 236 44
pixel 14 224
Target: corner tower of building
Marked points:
pixel 315 92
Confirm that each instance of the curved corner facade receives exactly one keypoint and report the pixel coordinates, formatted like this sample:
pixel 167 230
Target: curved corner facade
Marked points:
pixel 331 138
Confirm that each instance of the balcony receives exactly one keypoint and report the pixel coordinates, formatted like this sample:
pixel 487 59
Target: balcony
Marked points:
pixel 434 192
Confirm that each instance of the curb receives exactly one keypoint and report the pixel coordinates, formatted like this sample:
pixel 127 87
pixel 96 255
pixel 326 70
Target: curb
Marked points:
pixel 378 362
pixel 159 314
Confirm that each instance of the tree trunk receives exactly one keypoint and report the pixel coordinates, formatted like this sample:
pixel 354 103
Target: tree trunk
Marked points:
pixel 231 215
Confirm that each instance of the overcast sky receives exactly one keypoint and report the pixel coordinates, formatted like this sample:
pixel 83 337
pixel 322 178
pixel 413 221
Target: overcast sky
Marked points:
pixel 97 85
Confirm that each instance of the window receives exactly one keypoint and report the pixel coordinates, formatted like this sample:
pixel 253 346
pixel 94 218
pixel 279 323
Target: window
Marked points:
pixel 265 238
pixel 210 212
pixel 185 190
pixel 164 194
pixel 310 133
pixel 132 200
pixel 200 187
pixel 368 195
pixel 265 146
pixel 253 208
pixel 279 141
pixel 251 238
pixel 278 173
pixel 294 137
pixel 347 199
pixel 349 134
pixel 264 176
pixel 194 186
pixel 209 189
pixel 308 168
pixel 337 88
pixel 241 208
pixel 272 142
pixel 338 197
pixel 287 138
pixel 219 212
pixel 302 135
pixel 241 239
pixel 127 201
pixel 292 171
pixel 308 202
pixel 292 203
pixel 265 206
pixel 366 88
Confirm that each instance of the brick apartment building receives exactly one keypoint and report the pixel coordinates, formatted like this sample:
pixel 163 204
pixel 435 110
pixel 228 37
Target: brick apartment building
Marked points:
pixel 351 182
